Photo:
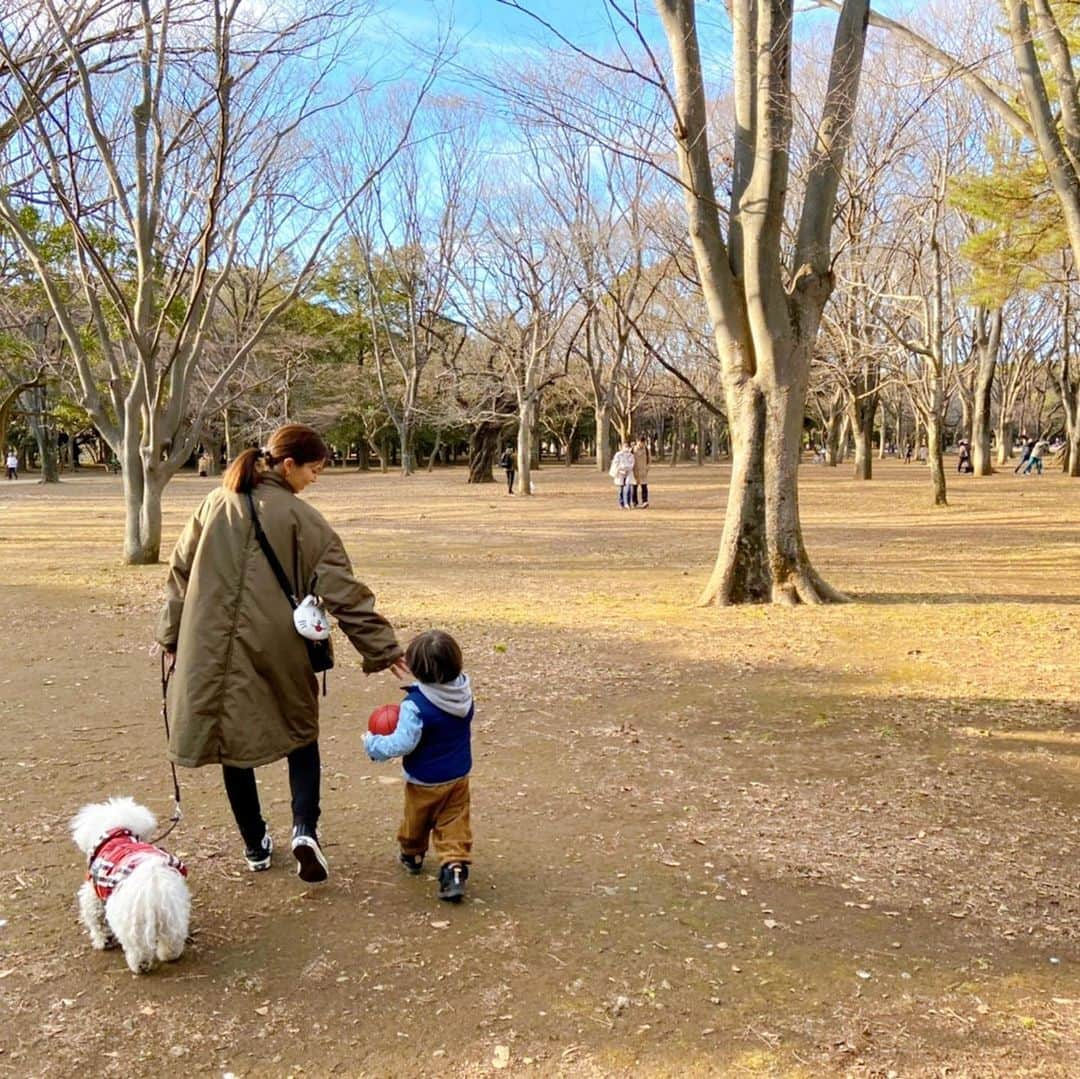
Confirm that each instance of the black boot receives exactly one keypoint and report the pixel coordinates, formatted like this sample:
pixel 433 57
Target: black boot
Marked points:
pixel 452 878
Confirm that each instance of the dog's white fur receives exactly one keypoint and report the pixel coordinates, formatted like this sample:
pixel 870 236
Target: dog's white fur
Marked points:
pixel 148 912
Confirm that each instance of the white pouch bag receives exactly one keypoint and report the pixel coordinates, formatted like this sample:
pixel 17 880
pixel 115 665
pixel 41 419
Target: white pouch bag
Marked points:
pixel 310 619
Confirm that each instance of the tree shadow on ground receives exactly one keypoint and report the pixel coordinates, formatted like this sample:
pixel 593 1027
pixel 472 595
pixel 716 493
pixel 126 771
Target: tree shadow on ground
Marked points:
pixel 941 599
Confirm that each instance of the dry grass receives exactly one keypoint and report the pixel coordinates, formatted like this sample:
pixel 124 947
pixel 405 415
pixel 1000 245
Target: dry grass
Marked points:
pixel 697 829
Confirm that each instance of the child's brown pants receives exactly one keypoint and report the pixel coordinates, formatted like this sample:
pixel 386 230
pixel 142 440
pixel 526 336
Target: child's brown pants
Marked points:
pixel 441 812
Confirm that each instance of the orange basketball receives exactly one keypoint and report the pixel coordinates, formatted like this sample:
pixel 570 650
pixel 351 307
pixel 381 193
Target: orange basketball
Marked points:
pixel 383 720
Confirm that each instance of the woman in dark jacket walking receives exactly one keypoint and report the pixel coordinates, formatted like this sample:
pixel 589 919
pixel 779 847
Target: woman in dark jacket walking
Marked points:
pixel 243 692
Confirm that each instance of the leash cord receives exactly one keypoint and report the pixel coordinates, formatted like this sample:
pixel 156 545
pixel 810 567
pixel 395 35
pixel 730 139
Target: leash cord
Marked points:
pixel 168 665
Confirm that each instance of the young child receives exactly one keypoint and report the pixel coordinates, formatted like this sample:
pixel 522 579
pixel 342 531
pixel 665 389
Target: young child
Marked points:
pixel 433 738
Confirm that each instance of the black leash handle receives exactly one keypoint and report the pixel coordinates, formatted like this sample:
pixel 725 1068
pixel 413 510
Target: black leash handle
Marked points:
pixel 168 665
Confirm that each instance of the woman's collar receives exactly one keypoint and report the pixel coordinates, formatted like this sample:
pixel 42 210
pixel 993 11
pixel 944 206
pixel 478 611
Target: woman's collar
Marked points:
pixel 277 479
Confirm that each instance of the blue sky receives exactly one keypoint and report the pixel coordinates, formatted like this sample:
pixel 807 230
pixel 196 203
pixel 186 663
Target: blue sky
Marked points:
pixel 488 30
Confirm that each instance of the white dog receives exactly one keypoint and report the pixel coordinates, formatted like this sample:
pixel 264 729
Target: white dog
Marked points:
pixel 135 894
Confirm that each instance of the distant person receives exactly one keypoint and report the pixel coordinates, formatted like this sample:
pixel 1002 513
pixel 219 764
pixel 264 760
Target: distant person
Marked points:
pixel 508 463
pixel 622 472
pixel 1028 445
pixel 641 473
pixel 1039 450
pixel 12 465
pixel 204 464
pixel 963 463
pixel 922 454
pixel 909 452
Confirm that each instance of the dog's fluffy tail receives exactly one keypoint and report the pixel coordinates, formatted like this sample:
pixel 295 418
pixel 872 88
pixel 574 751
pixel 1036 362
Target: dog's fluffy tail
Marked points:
pixel 149 915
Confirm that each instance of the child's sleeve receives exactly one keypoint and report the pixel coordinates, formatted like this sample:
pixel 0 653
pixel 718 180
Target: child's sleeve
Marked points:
pixel 406 736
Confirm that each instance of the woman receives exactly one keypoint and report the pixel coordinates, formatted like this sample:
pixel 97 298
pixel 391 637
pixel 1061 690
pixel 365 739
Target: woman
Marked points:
pixel 641 472
pixel 243 693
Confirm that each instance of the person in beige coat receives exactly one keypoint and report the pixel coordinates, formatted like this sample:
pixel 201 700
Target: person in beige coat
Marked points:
pixel 641 472
pixel 243 692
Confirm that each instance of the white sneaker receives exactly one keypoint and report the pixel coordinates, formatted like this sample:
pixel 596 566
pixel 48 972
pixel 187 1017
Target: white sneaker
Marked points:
pixel 258 858
pixel 311 865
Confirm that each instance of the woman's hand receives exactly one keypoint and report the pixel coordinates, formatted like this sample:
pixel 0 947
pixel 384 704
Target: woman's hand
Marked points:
pixel 401 672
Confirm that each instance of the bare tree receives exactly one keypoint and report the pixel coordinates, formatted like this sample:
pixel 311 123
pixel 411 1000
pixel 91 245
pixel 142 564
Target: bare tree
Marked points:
pixel 171 172
pixel 519 298
pixel 1041 37
pixel 409 235
pixel 765 308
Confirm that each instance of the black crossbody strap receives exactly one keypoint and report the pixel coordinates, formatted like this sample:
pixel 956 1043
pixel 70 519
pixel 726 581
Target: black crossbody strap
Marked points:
pixel 275 565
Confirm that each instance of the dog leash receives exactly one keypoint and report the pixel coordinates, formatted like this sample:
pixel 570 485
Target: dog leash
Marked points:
pixel 168 665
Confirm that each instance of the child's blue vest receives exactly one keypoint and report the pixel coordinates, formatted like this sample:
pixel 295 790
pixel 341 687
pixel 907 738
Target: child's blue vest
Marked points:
pixel 445 750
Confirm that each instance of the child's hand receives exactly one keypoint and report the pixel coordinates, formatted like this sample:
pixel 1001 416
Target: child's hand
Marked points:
pixel 401 672
pixel 367 744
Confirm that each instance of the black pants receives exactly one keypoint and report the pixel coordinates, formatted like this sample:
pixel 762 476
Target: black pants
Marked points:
pixel 510 481
pixel 644 488
pixel 304 775
pixel 12 474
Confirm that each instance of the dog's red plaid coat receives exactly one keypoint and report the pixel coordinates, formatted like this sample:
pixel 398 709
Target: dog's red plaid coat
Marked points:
pixel 117 854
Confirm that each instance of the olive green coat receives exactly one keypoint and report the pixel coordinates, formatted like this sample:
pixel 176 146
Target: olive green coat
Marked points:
pixel 243 692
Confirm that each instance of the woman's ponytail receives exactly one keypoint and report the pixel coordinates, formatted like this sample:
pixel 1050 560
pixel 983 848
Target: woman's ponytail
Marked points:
pixel 296 440
pixel 243 472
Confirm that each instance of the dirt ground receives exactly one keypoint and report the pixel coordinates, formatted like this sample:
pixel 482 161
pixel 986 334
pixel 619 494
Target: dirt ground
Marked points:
pixel 812 842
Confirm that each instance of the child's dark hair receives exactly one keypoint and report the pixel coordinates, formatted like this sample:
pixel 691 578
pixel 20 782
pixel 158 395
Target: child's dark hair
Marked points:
pixel 296 440
pixel 434 657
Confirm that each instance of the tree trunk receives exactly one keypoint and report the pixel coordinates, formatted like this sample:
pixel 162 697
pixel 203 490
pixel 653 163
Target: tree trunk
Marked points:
pixel 1071 462
pixel 676 442
pixel 212 446
pixel 762 557
pixel 142 510
pixel 965 416
pixel 741 573
pixel 483 451
pixel 536 440
pixel 793 579
pixel 935 459
pixel 525 448
pixel 37 416
pixel 987 347
pixel 226 421
pixel 405 436
pixel 864 450
pixel 603 437
pixel 832 439
pixel 50 465
pixel 980 415
pixel 1004 439
pixel 862 413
